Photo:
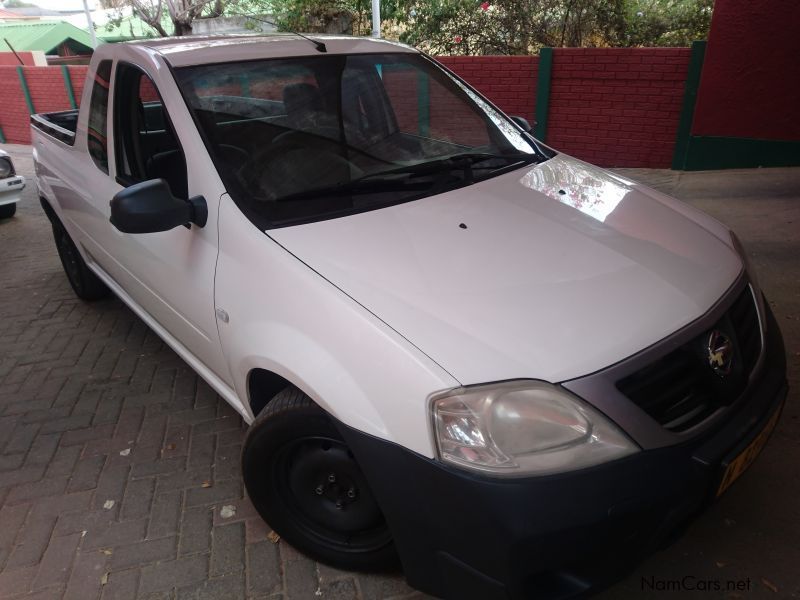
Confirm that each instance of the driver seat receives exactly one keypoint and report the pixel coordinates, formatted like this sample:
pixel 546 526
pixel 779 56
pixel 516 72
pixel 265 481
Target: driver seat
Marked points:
pixel 305 109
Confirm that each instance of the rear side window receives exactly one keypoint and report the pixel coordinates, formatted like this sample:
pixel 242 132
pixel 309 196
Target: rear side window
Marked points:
pixel 98 116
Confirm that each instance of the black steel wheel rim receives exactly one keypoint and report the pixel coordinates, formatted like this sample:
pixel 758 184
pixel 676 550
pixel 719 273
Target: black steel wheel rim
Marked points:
pixel 324 490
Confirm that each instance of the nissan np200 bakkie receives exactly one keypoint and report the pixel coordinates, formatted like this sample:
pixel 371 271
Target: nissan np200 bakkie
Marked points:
pixel 457 349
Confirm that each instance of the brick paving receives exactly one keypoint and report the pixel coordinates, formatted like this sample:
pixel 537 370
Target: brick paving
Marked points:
pixel 116 459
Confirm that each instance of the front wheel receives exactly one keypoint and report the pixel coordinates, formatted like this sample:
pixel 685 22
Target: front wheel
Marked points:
pixel 305 482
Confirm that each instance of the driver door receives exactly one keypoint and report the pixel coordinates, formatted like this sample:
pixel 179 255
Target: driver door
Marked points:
pixel 169 274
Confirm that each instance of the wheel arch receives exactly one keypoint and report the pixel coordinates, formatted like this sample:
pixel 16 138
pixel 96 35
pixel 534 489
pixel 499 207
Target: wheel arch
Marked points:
pixel 265 378
pixel 262 386
pixel 48 210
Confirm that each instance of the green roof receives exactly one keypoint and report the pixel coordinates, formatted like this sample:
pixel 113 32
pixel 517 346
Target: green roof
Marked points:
pixel 45 36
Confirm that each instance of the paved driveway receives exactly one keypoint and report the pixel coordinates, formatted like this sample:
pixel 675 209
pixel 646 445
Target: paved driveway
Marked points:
pixel 117 462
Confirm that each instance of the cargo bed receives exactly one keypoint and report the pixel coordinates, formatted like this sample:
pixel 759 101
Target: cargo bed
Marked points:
pixel 60 125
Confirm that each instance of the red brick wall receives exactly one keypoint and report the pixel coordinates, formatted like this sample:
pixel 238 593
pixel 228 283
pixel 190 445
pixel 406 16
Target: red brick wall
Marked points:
pixel 612 107
pixel 78 76
pixel 401 87
pixel 508 81
pixel 48 93
pixel 750 86
pixel 147 90
pixel 14 111
pixel 9 58
pixel 450 119
pixel 617 107
pixel 447 116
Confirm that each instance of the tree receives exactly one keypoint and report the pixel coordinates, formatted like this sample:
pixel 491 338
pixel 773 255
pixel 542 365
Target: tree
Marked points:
pixel 462 26
pixel 524 26
pixel 181 12
pixel 317 16
pixel 311 16
pixel 511 26
pixel 667 22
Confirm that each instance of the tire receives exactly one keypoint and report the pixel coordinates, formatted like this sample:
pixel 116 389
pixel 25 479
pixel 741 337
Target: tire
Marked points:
pixel 304 481
pixel 7 210
pixel 84 282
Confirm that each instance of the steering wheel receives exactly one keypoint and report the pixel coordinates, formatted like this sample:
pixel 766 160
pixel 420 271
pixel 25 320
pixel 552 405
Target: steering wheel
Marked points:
pixel 285 167
pixel 321 133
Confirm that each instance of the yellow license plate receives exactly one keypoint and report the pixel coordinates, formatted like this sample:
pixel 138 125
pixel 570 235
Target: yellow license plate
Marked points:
pixel 739 464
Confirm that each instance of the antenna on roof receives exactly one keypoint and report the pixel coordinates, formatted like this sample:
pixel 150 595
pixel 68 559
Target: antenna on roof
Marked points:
pixel 317 44
pixel 10 47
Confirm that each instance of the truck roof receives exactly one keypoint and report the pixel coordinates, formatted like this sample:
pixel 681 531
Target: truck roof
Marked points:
pixel 197 50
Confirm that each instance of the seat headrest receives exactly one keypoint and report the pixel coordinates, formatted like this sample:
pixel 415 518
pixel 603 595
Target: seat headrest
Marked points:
pixel 302 98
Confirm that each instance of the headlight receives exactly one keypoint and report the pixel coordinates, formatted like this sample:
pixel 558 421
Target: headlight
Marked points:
pixel 523 428
pixel 5 167
pixel 751 276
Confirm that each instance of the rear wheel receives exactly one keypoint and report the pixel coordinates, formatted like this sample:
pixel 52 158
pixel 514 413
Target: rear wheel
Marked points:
pixel 7 210
pixel 84 282
pixel 305 482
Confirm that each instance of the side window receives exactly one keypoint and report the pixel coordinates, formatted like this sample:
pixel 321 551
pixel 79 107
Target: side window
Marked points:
pixel 98 111
pixel 146 144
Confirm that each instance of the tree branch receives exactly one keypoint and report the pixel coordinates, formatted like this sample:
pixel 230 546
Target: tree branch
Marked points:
pixel 150 15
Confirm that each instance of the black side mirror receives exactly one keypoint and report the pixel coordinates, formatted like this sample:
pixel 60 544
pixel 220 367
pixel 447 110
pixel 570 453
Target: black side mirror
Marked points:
pixel 149 206
pixel 523 123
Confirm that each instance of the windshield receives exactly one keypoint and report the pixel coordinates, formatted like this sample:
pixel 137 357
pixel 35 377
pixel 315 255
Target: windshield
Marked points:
pixel 310 138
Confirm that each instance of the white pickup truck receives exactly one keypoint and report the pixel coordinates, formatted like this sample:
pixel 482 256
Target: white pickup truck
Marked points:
pixel 511 371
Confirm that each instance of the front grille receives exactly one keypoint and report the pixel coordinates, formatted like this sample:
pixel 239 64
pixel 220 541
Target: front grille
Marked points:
pixel 744 319
pixel 681 390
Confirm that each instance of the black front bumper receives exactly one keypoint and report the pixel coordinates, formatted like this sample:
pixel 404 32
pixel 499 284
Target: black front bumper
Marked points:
pixel 462 536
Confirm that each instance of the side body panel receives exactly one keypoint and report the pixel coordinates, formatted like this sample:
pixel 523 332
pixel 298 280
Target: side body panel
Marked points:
pixel 295 323
pixel 169 275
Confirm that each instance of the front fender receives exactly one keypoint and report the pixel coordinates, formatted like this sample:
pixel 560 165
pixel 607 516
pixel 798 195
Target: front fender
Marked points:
pixel 313 369
pixel 286 318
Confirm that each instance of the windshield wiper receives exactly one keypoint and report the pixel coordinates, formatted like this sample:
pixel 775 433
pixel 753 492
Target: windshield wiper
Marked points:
pixel 465 161
pixel 385 181
pixel 357 186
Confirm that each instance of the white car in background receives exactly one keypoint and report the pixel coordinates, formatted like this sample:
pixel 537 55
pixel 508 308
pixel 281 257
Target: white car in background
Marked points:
pixel 11 186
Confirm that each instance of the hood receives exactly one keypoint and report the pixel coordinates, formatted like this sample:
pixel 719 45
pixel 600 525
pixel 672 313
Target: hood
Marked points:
pixel 549 272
